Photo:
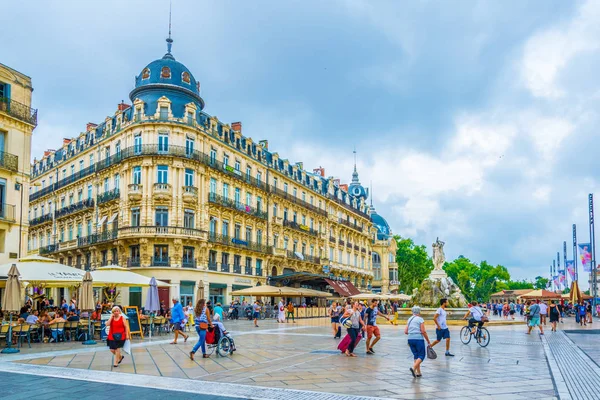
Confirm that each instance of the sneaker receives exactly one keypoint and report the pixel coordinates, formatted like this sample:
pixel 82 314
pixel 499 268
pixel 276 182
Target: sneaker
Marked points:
pixel 448 354
pixel 371 350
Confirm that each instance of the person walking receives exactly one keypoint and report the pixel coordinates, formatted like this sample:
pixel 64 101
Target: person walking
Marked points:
pixel 353 331
pixel 334 314
pixel 372 328
pixel 534 318
pixel 177 318
pixel 202 320
pixel 417 336
pixel 581 311
pixel 281 311
pixel 554 314
pixel 290 312
pixel 543 311
pixel 256 313
pixel 218 310
pixel 442 331
pixel 118 332
pixel 588 312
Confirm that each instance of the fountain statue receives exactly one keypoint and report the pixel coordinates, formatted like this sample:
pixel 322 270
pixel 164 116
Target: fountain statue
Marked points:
pixel 438 285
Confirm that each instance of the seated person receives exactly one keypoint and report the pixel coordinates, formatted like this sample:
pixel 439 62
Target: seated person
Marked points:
pixel 217 322
pixel 476 316
pixel 32 319
pixel 73 317
pixel 55 331
pixel 24 313
pixel 97 315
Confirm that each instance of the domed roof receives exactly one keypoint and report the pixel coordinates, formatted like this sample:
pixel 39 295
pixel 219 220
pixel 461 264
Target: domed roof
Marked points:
pixel 383 229
pixel 167 71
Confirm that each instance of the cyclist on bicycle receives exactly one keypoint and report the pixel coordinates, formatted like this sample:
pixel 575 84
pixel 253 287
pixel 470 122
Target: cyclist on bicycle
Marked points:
pixel 476 316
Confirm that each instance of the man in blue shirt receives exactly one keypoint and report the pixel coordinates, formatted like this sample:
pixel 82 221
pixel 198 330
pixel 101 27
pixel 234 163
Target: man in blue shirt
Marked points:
pixel 581 309
pixel 177 317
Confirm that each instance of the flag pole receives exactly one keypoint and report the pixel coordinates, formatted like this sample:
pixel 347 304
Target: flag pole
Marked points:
pixel 565 267
pixel 575 252
pixel 593 287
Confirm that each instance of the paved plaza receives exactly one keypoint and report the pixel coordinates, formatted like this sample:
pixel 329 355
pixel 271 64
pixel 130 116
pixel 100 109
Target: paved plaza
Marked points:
pixel 303 357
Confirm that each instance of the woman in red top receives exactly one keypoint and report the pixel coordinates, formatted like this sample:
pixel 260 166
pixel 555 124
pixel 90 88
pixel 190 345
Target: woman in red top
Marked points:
pixel 117 334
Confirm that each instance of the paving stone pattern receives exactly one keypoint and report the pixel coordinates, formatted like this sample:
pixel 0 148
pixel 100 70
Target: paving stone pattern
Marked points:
pixel 581 375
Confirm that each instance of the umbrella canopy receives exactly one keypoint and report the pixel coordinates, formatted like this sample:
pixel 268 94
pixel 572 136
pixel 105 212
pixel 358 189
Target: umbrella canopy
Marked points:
pixel 152 302
pixel 120 276
pixel 12 294
pixel 200 293
pixel 311 292
pixel 47 270
pixel 575 294
pixel 399 296
pixel 540 294
pixel 266 290
pixel 367 296
pixel 86 296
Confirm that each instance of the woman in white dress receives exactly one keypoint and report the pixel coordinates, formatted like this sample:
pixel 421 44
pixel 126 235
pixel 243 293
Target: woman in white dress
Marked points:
pixel 281 314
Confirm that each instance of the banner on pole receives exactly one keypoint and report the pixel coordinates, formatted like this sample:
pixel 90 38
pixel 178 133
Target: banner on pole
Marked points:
pixel 555 279
pixel 585 256
pixel 562 279
pixel 571 269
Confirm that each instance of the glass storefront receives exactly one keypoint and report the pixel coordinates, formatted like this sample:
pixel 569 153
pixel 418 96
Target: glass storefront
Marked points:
pixel 186 292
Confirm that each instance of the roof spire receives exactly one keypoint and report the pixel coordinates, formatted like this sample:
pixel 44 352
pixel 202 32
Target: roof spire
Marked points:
pixel 355 173
pixel 371 193
pixel 169 40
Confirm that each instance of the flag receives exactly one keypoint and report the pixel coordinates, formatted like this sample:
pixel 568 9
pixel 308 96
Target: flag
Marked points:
pixel 585 256
pixel 555 279
pixel 562 279
pixel 571 269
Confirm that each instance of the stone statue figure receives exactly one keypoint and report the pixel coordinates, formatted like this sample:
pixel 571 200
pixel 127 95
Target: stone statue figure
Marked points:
pixel 438 255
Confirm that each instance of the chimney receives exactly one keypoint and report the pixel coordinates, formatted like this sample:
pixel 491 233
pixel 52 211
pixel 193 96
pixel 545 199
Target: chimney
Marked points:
pixel 66 141
pixel 90 126
pixel 47 153
pixel 122 106
pixel 319 171
pixel 236 126
pixel 344 187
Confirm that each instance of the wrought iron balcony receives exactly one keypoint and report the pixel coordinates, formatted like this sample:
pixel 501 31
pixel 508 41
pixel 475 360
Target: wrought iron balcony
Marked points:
pixel 300 227
pixel 97 238
pixel 188 263
pixel 239 243
pixel 153 230
pixel 18 110
pixel 161 261
pixel 235 205
pixel 237 269
pixel 229 170
pixel 41 219
pixel 108 196
pixel 348 206
pixel 303 257
pixel 331 239
pixel 9 161
pixel 259 272
pixel 347 223
pixel 133 262
pixel 225 267
pixel 212 266
pixel 296 200
pixel 248 270
pixel 82 205
pixel 48 249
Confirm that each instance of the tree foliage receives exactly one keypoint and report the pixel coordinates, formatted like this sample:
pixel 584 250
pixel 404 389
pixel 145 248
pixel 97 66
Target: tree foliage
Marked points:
pixel 519 285
pixel 414 264
pixel 540 282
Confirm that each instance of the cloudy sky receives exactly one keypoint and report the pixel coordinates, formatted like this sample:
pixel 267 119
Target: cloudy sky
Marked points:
pixel 474 121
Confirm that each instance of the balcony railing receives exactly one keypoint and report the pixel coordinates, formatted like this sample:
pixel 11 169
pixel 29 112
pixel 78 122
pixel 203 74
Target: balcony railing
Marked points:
pixel 159 230
pixel 108 196
pixel 212 266
pixel 237 269
pixel 303 257
pixel 9 161
pixel 229 170
pixel 239 243
pixel 225 267
pixel 97 238
pixel 18 110
pixel 248 270
pixel 161 261
pixel 347 223
pixel 300 227
pixel 7 212
pixel 188 263
pixel 133 262
pixel 348 207
pixel 296 200
pixel 48 249
pixel 331 239
pixel 41 219
pixel 235 205
pixel 82 205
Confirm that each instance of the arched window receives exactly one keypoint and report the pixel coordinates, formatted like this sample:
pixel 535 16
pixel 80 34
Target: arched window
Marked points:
pixel 165 72
pixel 146 73
pixel 274 271
pixel 185 77
pixel 376 258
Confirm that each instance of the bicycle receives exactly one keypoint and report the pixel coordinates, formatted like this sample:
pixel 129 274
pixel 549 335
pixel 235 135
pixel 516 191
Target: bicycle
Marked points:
pixel 482 335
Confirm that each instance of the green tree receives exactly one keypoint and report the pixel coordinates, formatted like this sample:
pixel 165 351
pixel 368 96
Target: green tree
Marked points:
pixel 414 264
pixel 540 282
pixel 463 272
pixel 477 282
pixel 519 285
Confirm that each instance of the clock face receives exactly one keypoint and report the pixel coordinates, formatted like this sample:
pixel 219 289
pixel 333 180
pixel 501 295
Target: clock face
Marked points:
pixel 356 191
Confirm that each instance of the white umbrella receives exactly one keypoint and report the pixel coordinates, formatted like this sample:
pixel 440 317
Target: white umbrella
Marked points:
pixel 47 270
pixel 86 303
pixel 12 303
pixel 113 274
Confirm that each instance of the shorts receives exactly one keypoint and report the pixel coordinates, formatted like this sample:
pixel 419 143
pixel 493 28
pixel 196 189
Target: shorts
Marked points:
pixel 335 320
pixel 373 330
pixel 256 315
pixel 534 321
pixel 178 326
pixel 115 344
pixel 417 346
pixel 512 312
pixel 442 334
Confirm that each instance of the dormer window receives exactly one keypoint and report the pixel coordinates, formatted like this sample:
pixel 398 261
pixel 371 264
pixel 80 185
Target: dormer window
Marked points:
pixel 185 77
pixel 165 72
pixel 146 73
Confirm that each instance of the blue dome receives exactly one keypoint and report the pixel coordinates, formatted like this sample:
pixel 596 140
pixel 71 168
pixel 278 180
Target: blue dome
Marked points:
pixel 383 229
pixel 167 77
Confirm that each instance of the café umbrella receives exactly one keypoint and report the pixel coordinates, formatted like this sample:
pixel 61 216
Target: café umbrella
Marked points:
pixel 200 292
pixel 152 303
pixel 86 303
pixel 11 302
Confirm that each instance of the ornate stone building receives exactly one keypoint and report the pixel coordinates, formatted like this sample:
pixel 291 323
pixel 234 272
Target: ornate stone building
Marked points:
pixel 172 192
pixel 17 122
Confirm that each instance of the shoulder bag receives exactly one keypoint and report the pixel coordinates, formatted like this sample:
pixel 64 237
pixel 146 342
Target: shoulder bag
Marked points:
pixel 431 353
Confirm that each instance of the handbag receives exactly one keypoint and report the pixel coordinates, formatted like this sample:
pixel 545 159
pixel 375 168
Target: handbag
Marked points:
pixel 203 325
pixel 431 353
pixel 117 336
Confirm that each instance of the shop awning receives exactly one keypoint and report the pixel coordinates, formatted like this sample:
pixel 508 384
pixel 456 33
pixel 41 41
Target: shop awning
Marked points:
pixel 343 288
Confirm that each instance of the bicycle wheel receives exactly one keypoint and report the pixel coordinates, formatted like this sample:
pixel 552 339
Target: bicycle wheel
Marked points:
pixel 483 337
pixel 465 335
pixel 263 315
pixel 224 347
